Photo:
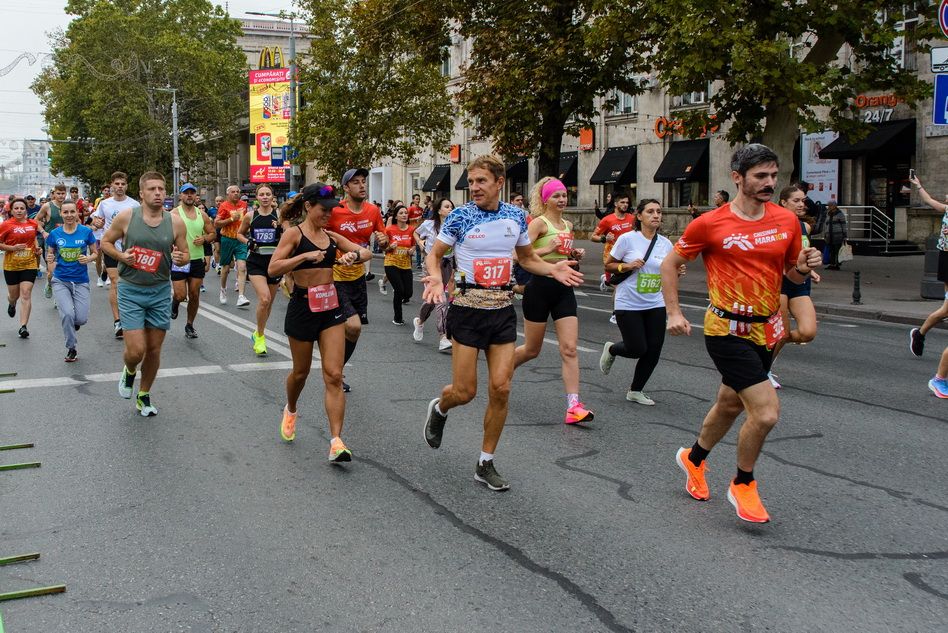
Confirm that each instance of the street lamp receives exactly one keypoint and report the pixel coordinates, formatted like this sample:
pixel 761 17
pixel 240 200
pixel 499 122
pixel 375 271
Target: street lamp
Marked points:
pixel 291 16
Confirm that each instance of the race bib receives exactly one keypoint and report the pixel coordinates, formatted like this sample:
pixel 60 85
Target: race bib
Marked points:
pixel 322 298
pixel 185 268
pixel 145 259
pixel 648 283
pixel 774 330
pixel 267 236
pixel 70 255
pixel 492 272
pixel 566 245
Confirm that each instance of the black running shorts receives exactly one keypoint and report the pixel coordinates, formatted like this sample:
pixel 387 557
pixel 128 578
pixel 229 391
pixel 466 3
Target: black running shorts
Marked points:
pixel 480 328
pixel 353 299
pixel 741 362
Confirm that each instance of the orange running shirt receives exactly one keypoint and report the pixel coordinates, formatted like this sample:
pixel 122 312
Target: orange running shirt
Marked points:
pixel 358 229
pixel 403 242
pixel 228 210
pixel 615 226
pixel 745 261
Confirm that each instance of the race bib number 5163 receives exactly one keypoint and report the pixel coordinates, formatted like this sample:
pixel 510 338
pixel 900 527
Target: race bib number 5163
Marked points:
pixel 492 272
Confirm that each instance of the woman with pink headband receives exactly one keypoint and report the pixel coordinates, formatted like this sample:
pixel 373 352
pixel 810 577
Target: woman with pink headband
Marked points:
pixel 544 297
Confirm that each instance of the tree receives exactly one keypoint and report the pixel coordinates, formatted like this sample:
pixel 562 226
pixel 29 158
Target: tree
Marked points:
pixel 535 69
pixel 101 89
pixel 782 65
pixel 370 84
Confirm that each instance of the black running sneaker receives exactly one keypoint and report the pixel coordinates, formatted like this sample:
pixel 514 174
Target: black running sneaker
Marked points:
pixel 72 355
pixel 434 425
pixel 11 310
pixel 916 341
pixel 174 309
pixel 486 474
pixel 189 331
pixel 23 332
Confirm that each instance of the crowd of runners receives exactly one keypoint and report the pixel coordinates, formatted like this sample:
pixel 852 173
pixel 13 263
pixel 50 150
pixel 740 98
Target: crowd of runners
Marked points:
pixel 477 260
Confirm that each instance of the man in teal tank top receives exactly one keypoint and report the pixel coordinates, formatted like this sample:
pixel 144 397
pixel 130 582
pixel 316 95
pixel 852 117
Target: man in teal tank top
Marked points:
pixel 153 240
pixel 186 280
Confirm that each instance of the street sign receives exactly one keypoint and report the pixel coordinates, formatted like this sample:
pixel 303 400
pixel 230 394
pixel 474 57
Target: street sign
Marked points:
pixel 943 16
pixel 940 101
pixel 940 59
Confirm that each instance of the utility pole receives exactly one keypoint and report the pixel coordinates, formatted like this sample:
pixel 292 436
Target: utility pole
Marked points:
pixel 176 164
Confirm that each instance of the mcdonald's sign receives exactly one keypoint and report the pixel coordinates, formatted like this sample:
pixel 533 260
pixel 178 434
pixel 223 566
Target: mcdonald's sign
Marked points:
pixel 271 57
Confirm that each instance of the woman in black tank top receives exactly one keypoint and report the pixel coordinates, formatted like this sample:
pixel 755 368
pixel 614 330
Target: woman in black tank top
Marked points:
pixel 313 314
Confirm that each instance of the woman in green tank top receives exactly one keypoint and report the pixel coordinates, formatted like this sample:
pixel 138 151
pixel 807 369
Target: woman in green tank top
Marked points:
pixel 544 297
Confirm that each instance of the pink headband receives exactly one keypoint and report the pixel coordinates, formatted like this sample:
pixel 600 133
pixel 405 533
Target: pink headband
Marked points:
pixel 550 188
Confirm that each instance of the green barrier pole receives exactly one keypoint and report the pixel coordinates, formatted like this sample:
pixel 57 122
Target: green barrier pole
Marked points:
pixel 11 447
pixel 21 558
pixel 29 593
pixel 19 466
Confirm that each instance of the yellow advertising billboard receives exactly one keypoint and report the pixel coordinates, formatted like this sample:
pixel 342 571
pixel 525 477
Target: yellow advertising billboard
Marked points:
pixel 269 124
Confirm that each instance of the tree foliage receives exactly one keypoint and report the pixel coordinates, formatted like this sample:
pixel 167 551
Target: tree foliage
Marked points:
pixel 370 83
pixel 106 67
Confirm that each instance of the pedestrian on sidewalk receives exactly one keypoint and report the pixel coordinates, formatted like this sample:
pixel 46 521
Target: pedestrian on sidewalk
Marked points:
pixel 917 335
pixel 836 234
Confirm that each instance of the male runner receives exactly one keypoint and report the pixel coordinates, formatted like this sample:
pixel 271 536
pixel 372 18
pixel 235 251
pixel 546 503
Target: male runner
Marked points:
pixel 748 245
pixel 186 280
pixel 229 215
pixel 357 220
pixel 49 217
pixel 611 227
pixel 483 234
pixel 103 217
pixel 153 239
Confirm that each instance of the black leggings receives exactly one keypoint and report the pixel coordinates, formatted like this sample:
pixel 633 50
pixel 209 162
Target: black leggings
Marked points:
pixel 643 334
pixel 402 284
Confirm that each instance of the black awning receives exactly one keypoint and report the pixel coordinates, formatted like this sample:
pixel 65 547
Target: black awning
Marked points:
pixel 517 172
pixel 568 170
pixel 897 136
pixel 617 167
pixel 462 181
pixel 438 180
pixel 685 161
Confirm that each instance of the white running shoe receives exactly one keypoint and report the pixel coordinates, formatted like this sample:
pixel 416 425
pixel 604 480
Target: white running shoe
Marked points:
pixel 444 345
pixel 383 289
pixel 419 332
pixel 639 397
pixel 99 282
pixel 773 380
pixel 223 297
pixel 602 283
pixel 606 360
pixel 242 301
pixel 612 319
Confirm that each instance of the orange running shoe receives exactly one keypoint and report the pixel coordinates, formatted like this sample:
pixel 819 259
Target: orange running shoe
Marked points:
pixel 696 485
pixel 338 451
pixel 746 501
pixel 578 413
pixel 288 425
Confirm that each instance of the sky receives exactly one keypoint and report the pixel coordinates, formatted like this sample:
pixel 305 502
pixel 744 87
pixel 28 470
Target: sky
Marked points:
pixel 23 48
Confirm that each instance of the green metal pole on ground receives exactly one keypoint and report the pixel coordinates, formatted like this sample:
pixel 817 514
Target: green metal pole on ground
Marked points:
pixel 19 466
pixel 21 558
pixel 11 447
pixel 29 593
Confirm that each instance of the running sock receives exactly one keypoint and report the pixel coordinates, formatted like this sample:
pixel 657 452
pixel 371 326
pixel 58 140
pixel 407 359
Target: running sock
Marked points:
pixel 485 457
pixel 572 399
pixel 438 410
pixel 697 454
pixel 350 350
pixel 744 476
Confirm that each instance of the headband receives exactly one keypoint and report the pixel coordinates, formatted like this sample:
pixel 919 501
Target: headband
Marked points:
pixel 551 187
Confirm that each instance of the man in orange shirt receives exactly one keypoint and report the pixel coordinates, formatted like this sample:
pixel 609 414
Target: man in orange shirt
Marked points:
pixel 230 213
pixel 748 245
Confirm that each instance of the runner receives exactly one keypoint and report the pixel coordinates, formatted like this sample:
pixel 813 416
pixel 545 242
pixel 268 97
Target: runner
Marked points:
pixel 262 231
pixel 426 235
pixel 314 313
pixel 545 298
pixel 71 247
pixel 483 234
pixel 186 280
pixel 747 246
pixel 398 262
pixel 153 239
pixel 611 227
pixel 21 251
pixel 230 214
pixel 917 334
pixel 795 298
pixel 103 217
pixel 636 258
pixel 49 217
pixel 356 220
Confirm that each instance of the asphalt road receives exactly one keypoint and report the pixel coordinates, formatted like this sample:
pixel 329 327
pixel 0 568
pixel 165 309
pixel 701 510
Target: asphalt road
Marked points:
pixel 201 519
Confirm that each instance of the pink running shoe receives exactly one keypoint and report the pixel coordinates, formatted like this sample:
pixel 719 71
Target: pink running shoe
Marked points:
pixel 578 413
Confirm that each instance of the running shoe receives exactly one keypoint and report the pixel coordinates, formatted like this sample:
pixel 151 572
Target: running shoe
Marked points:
pixel 259 342
pixel 382 287
pixel 612 319
pixel 48 291
pixel 445 345
pixel 72 355
pixel 939 387
pixel 242 301
pixel 747 503
pixel 144 405
pixel 916 341
pixel 11 311
pixel 223 297
pixel 174 309
pixel 578 413
pixel 419 332
pixel 338 451
pixel 396 322
pixel 486 474
pixel 189 331
pixel 696 485
pixel 288 425
pixel 606 360
pixel 117 327
pixel 125 383
pixel 602 283
pixel 640 398
pixel 23 332
pixel 773 380
pixel 99 283
pixel 434 425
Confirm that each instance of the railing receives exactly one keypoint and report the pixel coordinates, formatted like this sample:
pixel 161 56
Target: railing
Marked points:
pixel 868 225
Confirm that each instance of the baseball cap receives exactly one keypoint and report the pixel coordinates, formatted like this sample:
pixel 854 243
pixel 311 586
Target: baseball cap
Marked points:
pixel 352 173
pixel 322 193
pixel 187 187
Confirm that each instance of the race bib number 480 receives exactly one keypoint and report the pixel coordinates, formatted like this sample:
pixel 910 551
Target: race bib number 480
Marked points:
pixel 145 259
pixel 492 272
